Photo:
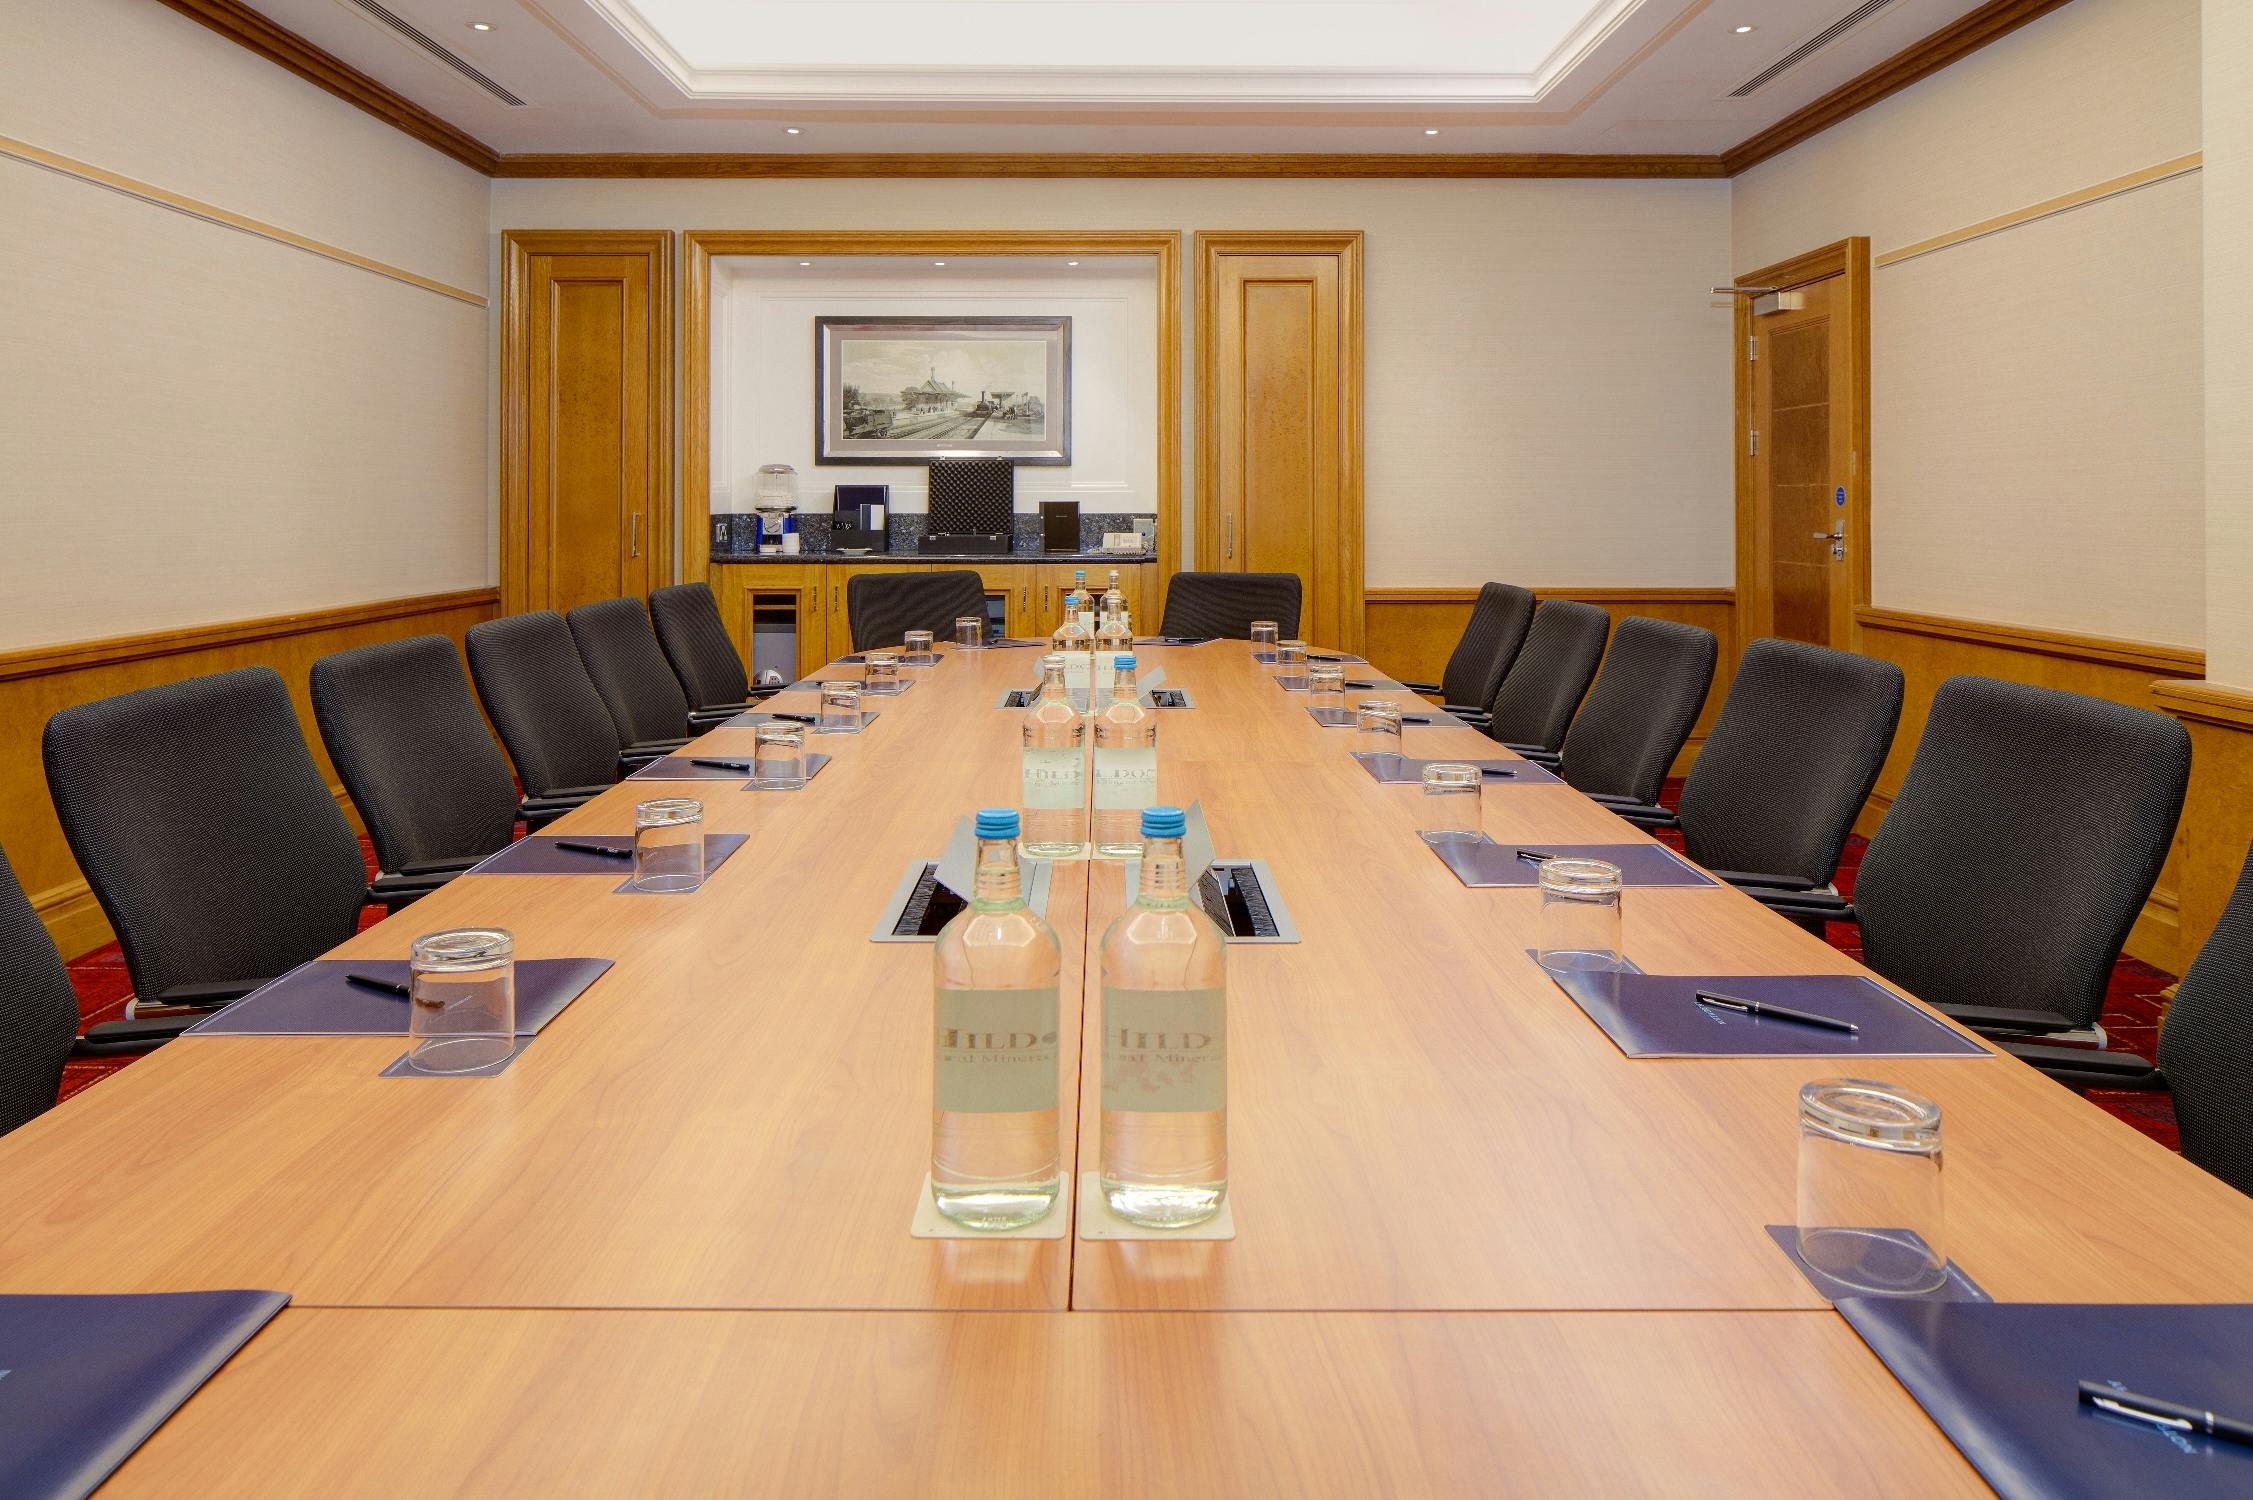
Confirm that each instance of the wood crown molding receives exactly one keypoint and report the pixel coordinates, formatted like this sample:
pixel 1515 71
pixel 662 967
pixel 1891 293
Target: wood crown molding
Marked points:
pixel 2110 651
pixel 1623 594
pixel 2206 703
pixel 1950 44
pixel 73 656
pixel 239 23
pixel 279 45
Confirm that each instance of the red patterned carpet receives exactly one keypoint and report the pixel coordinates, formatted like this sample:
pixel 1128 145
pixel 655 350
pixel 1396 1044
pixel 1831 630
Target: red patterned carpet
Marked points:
pixel 2132 1007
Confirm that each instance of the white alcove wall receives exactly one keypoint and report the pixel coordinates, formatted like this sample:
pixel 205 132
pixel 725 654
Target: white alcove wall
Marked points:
pixel 763 311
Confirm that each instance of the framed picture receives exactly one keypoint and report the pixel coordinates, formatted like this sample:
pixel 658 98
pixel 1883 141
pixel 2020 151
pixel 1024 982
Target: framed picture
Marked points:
pixel 906 390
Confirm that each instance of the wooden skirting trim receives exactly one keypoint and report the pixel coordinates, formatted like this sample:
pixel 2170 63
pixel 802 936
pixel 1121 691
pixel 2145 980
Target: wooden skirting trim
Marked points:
pixel 2138 656
pixel 2126 183
pixel 2205 702
pixel 1107 164
pixel 73 656
pixel 1951 44
pixel 239 23
pixel 211 213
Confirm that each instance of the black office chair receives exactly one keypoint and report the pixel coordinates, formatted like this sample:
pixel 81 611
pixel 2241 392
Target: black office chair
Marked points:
pixel 1773 795
pixel 622 658
pixel 209 837
pixel 696 642
pixel 1222 606
pixel 882 608
pixel 1490 643
pixel 38 1008
pixel 551 719
pixel 2025 839
pixel 1640 712
pixel 1534 705
pixel 403 731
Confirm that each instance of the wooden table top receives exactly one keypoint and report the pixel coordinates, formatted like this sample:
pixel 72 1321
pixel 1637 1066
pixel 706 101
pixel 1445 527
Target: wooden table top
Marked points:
pixel 686 1204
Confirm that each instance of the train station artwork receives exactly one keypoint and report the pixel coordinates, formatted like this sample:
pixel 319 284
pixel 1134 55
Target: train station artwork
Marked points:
pixel 903 389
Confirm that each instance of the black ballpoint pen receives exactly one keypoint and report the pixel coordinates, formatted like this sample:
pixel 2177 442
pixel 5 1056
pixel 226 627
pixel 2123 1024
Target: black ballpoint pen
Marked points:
pixel 1352 684
pixel 1535 856
pixel 725 765
pixel 384 986
pixel 2191 1419
pixel 1780 1012
pixel 605 850
pixel 1407 719
pixel 1496 771
pixel 795 718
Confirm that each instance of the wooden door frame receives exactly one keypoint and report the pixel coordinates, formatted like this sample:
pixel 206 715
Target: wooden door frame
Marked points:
pixel 1212 247
pixel 518 246
pixel 1849 259
pixel 1164 246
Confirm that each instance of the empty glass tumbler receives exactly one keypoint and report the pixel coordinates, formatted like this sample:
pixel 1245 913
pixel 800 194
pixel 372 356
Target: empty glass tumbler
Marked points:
pixel 1579 927
pixel 1449 808
pixel 1871 1211
pixel 1264 635
pixel 1326 682
pixel 883 672
pixel 1290 657
pixel 779 757
pixel 462 1014
pixel 840 705
pixel 1376 726
pixel 668 844
pixel 916 647
pixel 969 633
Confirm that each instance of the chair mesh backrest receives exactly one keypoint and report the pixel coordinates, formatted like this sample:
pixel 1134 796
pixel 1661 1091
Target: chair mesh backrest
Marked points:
pixel 883 607
pixel 197 815
pixel 405 735
pixel 1791 760
pixel 1489 644
pixel 688 624
pixel 2024 841
pixel 538 695
pixel 1639 713
pixel 628 667
pixel 2206 1045
pixel 38 1009
pixel 1542 690
pixel 1223 605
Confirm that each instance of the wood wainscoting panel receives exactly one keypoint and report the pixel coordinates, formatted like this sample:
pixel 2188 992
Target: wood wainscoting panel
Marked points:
pixel 39 682
pixel 1411 631
pixel 1932 648
pixel 2218 813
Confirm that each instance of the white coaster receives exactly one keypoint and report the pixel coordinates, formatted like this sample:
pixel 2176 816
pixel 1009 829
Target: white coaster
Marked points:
pixel 930 1224
pixel 1097 1222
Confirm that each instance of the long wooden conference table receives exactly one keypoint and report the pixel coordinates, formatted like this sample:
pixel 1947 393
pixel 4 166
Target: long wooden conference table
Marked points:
pixel 1478 1249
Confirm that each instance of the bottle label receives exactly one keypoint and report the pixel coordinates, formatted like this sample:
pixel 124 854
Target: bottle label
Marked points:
pixel 1100 672
pixel 1078 667
pixel 993 1051
pixel 1087 621
pixel 1126 778
pixel 1165 1050
pixel 1055 778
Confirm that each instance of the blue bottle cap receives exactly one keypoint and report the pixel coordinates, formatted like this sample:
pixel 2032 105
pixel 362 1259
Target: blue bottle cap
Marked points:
pixel 997 823
pixel 1164 822
pixel 1123 659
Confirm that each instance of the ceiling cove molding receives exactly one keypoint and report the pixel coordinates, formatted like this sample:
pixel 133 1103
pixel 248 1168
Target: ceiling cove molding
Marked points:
pixel 1951 44
pixel 239 23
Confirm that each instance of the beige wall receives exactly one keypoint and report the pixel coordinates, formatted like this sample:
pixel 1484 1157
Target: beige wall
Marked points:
pixel 1547 379
pixel 2228 51
pixel 201 424
pixel 2037 404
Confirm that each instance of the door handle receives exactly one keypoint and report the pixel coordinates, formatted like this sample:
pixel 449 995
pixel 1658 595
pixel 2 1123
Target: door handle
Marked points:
pixel 1837 539
pixel 636 544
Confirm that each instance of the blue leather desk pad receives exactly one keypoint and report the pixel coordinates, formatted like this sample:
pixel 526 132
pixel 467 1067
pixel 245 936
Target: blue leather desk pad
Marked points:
pixel 1655 1015
pixel 1394 769
pixel 539 854
pixel 680 768
pixel 313 999
pixel 1482 863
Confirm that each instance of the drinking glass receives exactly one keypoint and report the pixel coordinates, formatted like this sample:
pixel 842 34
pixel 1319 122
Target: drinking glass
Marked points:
pixel 462 1014
pixel 883 671
pixel 916 647
pixel 1376 726
pixel 1290 657
pixel 969 633
pixel 1579 927
pixel 1450 805
pixel 840 705
pixel 1871 1212
pixel 778 759
pixel 668 844
pixel 1264 633
pixel 1326 683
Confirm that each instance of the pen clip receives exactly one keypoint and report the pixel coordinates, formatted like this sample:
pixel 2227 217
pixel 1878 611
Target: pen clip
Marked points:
pixel 2176 1424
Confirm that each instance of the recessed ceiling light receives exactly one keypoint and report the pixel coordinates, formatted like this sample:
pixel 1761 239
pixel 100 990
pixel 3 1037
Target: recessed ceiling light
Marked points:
pixel 1431 132
pixel 792 130
pixel 938 263
pixel 805 263
pixel 1741 30
pixel 481 25
pixel 1071 263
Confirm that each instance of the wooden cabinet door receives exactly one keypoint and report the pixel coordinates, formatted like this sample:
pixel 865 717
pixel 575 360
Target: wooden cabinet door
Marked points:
pixel 1014 584
pixel 782 588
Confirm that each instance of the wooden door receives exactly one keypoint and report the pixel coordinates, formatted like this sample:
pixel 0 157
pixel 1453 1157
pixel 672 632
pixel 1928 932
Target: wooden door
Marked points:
pixel 1279 418
pixel 586 417
pixel 1803 524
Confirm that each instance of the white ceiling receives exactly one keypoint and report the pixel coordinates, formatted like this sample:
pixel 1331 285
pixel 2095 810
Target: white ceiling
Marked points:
pixel 1602 76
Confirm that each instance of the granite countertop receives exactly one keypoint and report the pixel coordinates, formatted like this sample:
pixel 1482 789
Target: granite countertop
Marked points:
pixel 1115 559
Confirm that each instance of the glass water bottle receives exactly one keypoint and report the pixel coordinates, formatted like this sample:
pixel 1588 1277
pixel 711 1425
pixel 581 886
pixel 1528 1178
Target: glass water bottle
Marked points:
pixel 1074 642
pixel 1126 764
pixel 1113 614
pixel 995 1159
pixel 1086 598
pixel 1054 766
pixel 1163 1157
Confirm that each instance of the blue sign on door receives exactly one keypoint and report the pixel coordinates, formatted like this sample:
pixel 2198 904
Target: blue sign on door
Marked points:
pixel 1840 496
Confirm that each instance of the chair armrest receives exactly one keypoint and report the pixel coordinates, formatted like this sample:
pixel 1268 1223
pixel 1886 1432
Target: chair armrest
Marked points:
pixel 572 794
pixel 1421 687
pixel 2087 1067
pixel 123 1038
pixel 1790 884
pixel 452 866
pixel 1986 1018
pixel 395 891
pixel 718 713
pixel 656 747
pixel 210 995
